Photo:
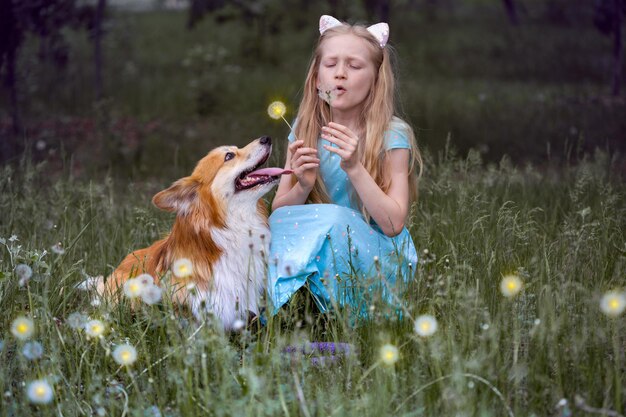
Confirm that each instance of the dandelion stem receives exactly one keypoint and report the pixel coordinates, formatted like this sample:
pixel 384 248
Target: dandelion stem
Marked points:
pixel 618 374
pixel 300 394
pixel 158 361
pixel 290 128
pixel 366 373
pixel 472 376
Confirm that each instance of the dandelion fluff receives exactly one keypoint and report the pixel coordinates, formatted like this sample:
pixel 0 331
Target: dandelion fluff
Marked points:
pixel 94 328
pixel 125 354
pixel 32 350
pixel 23 273
pixel 182 268
pixel 22 328
pixel 613 303
pixel 39 392
pixel 145 279
pixel 276 110
pixel 133 288
pixel 76 320
pixel 389 354
pixel 425 325
pixel 510 285
pixel 151 294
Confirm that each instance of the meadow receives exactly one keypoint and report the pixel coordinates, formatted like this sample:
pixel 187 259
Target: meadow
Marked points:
pixel 547 350
pixel 524 181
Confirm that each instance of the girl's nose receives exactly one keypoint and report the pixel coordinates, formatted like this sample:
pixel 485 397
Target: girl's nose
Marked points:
pixel 340 71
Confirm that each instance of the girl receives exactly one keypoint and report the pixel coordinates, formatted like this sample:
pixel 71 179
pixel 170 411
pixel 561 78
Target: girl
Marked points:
pixel 354 164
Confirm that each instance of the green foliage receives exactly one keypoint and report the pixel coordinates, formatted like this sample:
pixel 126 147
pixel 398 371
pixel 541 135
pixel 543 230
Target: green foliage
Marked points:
pixel 536 90
pixel 560 229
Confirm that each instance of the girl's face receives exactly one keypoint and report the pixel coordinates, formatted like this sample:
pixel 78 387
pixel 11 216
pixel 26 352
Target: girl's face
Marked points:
pixel 346 67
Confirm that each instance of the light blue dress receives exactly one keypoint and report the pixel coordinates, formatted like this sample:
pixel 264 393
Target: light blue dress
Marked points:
pixel 344 260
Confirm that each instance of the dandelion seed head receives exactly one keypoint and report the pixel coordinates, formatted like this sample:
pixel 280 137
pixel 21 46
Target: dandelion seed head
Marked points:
pixel 182 268
pixel 23 273
pixel 94 328
pixel 238 325
pixel 613 303
pixel 510 285
pixel 151 294
pixel 276 110
pixel 39 392
pixel 22 328
pixel 145 279
pixel 125 354
pixel 58 248
pixel 32 351
pixel 425 325
pixel 152 411
pixel 76 320
pixel 389 354
pixel 327 93
pixel 133 288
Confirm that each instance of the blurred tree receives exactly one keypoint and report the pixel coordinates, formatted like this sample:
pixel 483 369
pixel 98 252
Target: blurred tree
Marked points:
pixel 10 41
pixel 263 17
pixel 511 11
pixel 45 19
pixel 97 35
pixel 377 10
pixel 609 18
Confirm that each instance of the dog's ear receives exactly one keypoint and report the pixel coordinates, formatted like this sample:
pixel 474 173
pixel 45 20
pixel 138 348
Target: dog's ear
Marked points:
pixel 179 197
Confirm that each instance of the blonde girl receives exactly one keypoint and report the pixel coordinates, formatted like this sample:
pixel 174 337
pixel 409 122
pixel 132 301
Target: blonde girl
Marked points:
pixel 338 223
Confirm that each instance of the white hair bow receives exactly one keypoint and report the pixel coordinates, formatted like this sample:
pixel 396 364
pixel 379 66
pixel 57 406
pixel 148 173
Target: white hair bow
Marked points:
pixel 379 30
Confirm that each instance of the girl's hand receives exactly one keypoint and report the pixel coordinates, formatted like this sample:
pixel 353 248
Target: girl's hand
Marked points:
pixel 304 163
pixel 347 142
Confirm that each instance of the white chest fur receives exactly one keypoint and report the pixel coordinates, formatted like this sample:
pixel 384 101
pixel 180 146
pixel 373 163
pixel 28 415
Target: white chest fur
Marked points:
pixel 239 274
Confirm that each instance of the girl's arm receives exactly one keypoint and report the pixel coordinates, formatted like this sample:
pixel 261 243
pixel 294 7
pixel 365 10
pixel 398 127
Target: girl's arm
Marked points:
pixel 304 163
pixel 389 210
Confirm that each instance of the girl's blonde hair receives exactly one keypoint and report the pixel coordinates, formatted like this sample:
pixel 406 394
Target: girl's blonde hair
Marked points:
pixel 376 118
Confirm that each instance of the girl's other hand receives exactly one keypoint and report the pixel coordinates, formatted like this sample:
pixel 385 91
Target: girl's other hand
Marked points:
pixel 304 163
pixel 347 142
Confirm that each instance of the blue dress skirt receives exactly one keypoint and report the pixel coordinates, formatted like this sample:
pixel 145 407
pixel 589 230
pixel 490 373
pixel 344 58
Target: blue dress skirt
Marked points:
pixel 344 260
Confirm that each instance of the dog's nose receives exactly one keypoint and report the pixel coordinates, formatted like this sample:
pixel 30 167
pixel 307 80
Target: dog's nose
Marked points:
pixel 266 140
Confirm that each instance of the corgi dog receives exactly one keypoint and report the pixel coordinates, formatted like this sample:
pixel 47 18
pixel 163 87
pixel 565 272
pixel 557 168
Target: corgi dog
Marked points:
pixel 221 227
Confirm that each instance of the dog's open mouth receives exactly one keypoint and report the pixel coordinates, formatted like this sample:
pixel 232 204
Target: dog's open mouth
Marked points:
pixel 253 177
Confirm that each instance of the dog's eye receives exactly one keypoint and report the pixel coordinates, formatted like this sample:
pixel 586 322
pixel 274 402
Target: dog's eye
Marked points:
pixel 229 156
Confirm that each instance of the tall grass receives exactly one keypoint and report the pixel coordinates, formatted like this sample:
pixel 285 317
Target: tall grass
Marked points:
pixel 559 228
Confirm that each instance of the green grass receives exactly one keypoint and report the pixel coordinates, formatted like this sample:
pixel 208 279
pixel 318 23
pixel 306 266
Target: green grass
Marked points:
pixel 559 228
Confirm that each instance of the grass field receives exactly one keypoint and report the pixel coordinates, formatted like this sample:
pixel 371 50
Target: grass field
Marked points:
pixel 559 229
pixel 536 191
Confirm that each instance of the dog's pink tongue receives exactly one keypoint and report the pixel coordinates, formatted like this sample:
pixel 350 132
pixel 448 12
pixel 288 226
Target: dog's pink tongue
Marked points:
pixel 271 172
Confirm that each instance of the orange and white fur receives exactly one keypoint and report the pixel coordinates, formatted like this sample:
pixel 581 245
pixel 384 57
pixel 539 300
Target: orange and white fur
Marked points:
pixel 221 227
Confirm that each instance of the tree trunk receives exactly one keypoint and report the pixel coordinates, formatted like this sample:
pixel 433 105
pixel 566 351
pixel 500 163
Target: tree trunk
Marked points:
pixel 377 10
pixel 97 48
pixel 12 84
pixel 511 11
pixel 618 50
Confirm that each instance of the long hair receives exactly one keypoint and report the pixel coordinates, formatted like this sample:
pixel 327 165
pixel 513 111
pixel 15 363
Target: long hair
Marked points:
pixel 376 118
